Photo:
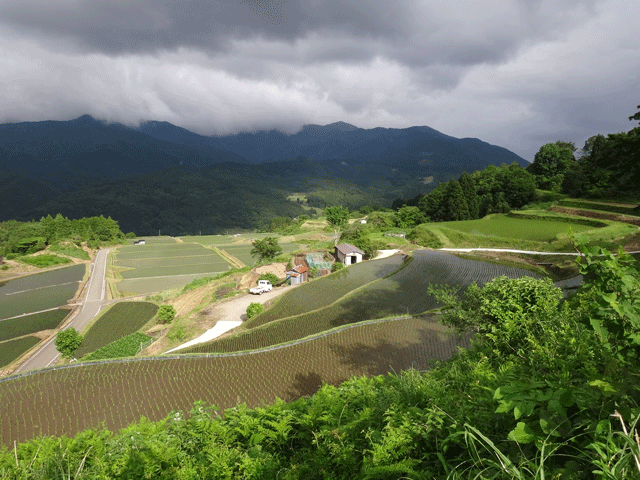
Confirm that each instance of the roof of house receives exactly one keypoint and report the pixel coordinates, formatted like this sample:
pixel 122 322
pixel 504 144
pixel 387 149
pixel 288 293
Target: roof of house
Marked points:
pixel 346 249
pixel 297 270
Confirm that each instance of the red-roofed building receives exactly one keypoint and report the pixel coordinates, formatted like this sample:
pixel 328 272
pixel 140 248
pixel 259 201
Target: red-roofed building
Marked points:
pixel 297 274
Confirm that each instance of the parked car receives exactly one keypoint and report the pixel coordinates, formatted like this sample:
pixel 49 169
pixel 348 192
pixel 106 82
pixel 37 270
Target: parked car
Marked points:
pixel 263 286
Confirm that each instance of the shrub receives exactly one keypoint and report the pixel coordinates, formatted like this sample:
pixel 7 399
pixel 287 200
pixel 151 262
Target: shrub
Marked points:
pixel 269 276
pixel 166 313
pixel 337 266
pixel 254 309
pixel 43 261
pixel 67 342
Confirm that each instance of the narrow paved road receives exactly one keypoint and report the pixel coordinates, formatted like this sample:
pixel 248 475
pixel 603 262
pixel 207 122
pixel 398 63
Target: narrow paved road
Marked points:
pixel 93 301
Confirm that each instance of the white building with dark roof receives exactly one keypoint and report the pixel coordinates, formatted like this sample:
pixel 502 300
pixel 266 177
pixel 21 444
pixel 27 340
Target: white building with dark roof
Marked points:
pixel 349 254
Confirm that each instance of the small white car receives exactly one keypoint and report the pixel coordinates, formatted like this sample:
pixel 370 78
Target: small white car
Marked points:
pixel 263 286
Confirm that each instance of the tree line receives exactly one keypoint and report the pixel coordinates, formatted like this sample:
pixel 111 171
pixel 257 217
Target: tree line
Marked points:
pixel 22 238
pixel 605 167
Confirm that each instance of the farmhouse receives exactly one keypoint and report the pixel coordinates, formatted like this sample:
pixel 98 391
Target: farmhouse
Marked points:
pixel 297 275
pixel 139 242
pixel 348 254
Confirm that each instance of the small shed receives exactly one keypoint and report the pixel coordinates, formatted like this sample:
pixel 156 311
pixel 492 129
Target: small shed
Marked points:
pixel 139 242
pixel 349 254
pixel 297 274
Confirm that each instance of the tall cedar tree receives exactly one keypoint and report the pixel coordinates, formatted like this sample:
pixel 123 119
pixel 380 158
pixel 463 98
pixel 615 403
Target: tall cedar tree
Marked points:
pixel 456 207
pixel 469 189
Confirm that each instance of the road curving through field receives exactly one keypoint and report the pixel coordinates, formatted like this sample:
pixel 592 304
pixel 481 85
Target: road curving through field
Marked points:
pixel 92 303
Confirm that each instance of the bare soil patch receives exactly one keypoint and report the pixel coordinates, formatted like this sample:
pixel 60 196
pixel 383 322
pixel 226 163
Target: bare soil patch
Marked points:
pixel 250 279
pixel 615 217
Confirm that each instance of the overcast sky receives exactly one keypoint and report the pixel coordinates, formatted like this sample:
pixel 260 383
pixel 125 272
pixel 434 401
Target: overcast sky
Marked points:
pixel 516 73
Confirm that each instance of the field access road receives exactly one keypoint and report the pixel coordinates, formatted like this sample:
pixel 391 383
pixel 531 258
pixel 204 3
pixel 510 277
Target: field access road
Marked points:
pixel 93 301
pixel 231 313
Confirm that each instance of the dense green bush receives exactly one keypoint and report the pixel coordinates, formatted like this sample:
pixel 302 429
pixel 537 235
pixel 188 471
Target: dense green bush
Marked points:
pixel 269 276
pixel 166 313
pixel 254 309
pixel 44 260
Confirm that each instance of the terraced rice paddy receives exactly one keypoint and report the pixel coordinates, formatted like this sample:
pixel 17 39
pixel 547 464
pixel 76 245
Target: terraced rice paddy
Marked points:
pixel 217 240
pixel 517 228
pixel 326 290
pixel 402 293
pixel 127 346
pixel 243 252
pixel 162 266
pixel 38 292
pixel 30 304
pixel 156 240
pixel 12 349
pixel 66 401
pixel 122 319
pixel 35 322
pixel 150 285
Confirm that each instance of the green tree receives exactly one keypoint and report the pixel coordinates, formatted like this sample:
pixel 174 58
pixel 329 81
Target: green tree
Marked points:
pixel 636 116
pixel 266 248
pixel 269 276
pixel 456 207
pixel 470 194
pixel 254 309
pixel 166 313
pixel 551 163
pixel 433 204
pixel 517 185
pixel 338 219
pixel 409 217
pixel 67 342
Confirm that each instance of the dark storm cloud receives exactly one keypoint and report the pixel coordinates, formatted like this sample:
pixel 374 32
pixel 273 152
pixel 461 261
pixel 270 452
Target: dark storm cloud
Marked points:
pixel 417 33
pixel 517 73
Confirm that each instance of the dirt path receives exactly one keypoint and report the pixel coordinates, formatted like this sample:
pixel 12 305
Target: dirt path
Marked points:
pixel 230 314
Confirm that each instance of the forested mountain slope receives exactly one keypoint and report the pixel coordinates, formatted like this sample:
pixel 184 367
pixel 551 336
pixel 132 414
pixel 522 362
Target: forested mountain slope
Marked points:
pixel 161 176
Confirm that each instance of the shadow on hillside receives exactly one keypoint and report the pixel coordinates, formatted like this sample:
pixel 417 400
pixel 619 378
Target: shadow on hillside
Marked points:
pixel 305 385
pixel 383 355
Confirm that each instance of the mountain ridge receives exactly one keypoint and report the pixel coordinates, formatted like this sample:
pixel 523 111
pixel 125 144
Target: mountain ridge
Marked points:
pixel 74 167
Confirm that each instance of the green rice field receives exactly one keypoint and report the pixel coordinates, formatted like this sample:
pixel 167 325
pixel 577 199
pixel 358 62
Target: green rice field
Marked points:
pixel 122 319
pixel 158 284
pixel 242 252
pixel 517 228
pixel 326 290
pixel 35 322
pixel 162 266
pixel 217 240
pixel 127 346
pixel 66 401
pixel 154 240
pixel 42 291
pixel 12 349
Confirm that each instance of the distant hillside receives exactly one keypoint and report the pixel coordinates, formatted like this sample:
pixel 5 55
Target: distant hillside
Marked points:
pixel 158 173
pixel 88 150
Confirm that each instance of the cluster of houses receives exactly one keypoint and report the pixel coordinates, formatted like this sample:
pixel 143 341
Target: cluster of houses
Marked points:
pixel 345 253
